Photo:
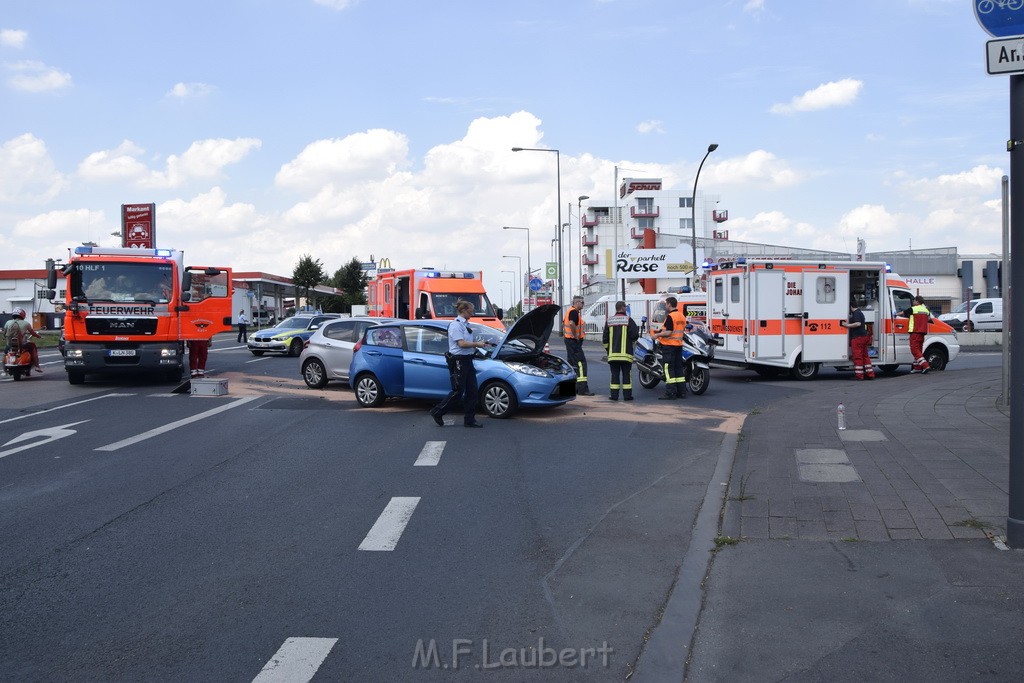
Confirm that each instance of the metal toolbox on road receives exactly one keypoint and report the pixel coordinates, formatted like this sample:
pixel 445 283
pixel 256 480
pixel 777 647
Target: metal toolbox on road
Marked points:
pixel 209 387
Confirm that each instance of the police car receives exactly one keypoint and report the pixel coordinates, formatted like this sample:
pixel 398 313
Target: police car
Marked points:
pixel 289 335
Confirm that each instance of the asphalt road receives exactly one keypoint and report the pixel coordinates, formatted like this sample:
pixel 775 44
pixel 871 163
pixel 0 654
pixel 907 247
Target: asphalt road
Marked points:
pixel 280 533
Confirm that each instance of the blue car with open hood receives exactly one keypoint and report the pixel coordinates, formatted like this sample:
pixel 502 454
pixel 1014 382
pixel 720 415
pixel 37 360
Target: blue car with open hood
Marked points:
pixel 406 359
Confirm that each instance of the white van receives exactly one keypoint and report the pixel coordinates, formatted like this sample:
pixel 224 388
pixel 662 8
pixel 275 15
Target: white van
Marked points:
pixel 639 306
pixel 976 314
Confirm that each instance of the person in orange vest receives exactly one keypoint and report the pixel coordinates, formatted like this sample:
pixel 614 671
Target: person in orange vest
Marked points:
pixel 671 341
pixel 860 339
pixel 619 336
pixel 919 316
pixel 574 333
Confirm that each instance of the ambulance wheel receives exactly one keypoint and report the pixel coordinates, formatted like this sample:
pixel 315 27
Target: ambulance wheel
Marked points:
pixel 75 377
pixel 314 374
pixel 498 400
pixel 648 380
pixel 698 381
pixel 889 369
pixel 803 371
pixel 295 349
pixel 936 357
pixel 369 392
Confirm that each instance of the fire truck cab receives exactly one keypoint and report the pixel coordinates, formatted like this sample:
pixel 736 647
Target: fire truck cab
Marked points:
pixel 778 315
pixel 426 293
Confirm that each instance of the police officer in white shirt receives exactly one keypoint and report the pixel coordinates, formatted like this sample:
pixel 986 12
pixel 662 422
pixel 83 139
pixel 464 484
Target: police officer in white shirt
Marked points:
pixel 461 349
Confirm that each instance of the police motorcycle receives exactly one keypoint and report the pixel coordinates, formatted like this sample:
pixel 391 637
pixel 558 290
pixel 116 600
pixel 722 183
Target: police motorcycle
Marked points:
pixel 698 350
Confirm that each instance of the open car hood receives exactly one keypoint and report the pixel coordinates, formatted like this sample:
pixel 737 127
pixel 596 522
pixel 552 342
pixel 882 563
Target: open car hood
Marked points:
pixel 532 330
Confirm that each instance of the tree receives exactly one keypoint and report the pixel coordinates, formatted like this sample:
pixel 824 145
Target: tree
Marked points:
pixel 308 273
pixel 351 279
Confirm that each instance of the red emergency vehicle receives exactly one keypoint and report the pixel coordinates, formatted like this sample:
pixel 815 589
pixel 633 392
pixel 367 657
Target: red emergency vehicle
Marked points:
pixel 426 293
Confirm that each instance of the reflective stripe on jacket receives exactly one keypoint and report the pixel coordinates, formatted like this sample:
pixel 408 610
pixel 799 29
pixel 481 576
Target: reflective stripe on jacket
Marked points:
pixel 567 326
pixel 919 315
pixel 620 334
pixel 678 328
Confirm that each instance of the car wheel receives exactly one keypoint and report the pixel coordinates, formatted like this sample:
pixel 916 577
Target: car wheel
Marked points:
pixel 257 353
pixel 498 400
pixel 969 326
pixel 648 380
pixel 295 348
pixel 369 392
pixel 804 371
pixel 314 373
pixel 698 380
pixel 936 357
pixel 76 378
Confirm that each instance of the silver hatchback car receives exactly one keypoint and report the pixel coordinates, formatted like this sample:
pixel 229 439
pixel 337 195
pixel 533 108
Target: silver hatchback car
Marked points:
pixel 328 352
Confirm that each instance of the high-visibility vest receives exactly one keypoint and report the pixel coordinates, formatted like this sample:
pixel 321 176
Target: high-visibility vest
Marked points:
pixel 616 341
pixel 678 328
pixel 919 315
pixel 567 326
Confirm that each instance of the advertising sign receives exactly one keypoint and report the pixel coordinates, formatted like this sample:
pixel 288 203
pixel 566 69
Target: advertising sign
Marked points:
pixel 138 226
pixel 653 263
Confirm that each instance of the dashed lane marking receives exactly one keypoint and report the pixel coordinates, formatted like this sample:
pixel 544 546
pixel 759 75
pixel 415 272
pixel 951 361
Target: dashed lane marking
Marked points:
pixel 430 456
pixel 61 407
pixel 174 425
pixel 389 526
pixel 296 661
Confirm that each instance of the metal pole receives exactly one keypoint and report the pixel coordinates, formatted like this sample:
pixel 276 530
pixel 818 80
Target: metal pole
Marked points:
pixel 615 226
pixel 1004 291
pixel 693 217
pixel 558 180
pixel 1015 516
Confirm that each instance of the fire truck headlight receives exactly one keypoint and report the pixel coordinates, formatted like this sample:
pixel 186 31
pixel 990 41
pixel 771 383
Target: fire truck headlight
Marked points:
pixel 74 353
pixel 526 369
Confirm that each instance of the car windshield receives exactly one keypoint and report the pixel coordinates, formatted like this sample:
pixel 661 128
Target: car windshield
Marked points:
pixel 444 304
pixel 961 308
pixel 122 282
pixel 295 323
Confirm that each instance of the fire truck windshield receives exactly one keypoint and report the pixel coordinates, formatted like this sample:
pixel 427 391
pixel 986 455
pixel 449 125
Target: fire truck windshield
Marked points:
pixel 444 304
pixel 150 282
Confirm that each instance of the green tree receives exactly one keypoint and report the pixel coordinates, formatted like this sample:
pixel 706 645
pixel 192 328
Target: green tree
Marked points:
pixel 308 273
pixel 351 279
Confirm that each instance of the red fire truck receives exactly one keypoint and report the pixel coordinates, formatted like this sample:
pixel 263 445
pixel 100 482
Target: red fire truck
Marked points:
pixel 425 293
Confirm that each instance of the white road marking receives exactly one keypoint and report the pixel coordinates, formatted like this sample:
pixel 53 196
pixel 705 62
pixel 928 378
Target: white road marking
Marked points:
pixel 50 434
pixel 296 661
pixel 257 360
pixel 174 425
pixel 430 455
pixel 66 405
pixel 389 526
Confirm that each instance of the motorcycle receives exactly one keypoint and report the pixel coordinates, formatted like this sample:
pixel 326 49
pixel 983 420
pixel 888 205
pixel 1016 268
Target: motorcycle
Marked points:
pixel 698 350
pixel 17 360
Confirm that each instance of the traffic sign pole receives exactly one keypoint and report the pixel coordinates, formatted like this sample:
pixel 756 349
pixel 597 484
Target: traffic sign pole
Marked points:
pixel 1015 514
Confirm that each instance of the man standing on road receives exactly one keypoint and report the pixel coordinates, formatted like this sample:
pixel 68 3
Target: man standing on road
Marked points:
pixel 860 339
pixel 574 334
pixel 619 336
pixel 918 328
pixel 671 340
pixel 243 328
pixel 461 350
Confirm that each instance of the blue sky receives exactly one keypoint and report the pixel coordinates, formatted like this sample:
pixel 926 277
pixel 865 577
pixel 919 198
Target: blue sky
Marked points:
pixel 268 129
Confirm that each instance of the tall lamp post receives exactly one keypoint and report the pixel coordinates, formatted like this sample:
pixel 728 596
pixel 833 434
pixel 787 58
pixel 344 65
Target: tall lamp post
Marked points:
pixel 558 181
pixel 529 270
pixel 579 213
pixel 519 262
pixel 693 213
pixel 510 292
pixel 513 274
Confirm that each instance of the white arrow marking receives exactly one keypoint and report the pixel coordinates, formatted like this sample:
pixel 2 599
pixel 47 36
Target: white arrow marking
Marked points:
pixel 50 434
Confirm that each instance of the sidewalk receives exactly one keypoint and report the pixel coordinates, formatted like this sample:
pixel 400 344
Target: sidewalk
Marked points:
pixel 865 554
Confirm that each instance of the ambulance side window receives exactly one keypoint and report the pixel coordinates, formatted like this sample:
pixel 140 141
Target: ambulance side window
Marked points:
pixel 719 291
pixel 734 289
pixel 825 289
pixel 901 301
pixel 387 293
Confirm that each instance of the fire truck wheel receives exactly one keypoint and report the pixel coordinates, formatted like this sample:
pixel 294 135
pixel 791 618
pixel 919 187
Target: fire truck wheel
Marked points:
pixel 936 357
pixel 314 374
pixel 498 400
pixel 76 377
pixel 295 348
pixel 369 392
pixel 648 380
pixel 804 371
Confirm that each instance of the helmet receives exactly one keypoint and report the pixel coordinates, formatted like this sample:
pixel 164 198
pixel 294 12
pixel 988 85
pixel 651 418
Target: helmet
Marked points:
pixel 19 313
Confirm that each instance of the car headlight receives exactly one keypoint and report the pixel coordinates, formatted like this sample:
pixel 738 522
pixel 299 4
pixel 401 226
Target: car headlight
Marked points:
pixel 526 369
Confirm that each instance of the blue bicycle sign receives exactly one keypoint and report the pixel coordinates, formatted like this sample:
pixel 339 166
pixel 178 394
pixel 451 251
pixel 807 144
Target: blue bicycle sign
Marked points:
pixel 1000 18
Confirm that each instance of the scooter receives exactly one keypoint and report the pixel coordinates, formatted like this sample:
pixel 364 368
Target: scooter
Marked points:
pixel 17 360
pixel 698 350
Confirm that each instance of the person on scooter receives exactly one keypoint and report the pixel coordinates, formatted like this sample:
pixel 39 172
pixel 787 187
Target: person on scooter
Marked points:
pixel 21 329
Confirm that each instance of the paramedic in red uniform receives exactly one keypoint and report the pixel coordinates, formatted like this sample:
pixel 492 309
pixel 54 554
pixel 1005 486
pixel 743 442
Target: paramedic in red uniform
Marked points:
pixel 919 316
pixel 860 339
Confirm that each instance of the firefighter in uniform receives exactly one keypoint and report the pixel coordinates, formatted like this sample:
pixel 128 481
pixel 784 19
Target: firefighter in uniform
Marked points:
pixel 619 336
pixel 671 340
pixel 574 333
pixel 918 328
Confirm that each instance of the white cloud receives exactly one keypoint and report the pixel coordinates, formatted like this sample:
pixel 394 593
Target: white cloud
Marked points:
pixel 190 90
pixel 651 126
pixel 118 164
pixel 374 154
pixel 203 160
pixel 754 6
pixel 759 168
pixel 27 173
pixel 34 76
pixel 10 37
pixel 827 95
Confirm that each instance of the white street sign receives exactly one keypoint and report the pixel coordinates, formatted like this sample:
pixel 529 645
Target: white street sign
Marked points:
pixel 1005 56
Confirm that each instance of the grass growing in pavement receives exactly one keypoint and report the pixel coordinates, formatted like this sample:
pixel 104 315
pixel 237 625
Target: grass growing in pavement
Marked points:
pixel 971 523
pixel 723 541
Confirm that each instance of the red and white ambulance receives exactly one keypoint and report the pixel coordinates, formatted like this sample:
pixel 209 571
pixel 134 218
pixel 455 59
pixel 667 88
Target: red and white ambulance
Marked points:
pixel 427 293
pixel 779 315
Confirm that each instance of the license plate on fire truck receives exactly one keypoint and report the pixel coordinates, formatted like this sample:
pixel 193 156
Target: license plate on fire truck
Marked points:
pixel 121 352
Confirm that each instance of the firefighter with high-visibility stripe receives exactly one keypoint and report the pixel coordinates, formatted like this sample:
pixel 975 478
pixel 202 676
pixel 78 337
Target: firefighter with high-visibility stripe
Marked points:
pixel 574 333
pixel 619 336
pixel 670 338
pixel 919 316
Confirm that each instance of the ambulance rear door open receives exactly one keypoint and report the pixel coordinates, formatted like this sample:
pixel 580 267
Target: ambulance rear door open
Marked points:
pixel 826 297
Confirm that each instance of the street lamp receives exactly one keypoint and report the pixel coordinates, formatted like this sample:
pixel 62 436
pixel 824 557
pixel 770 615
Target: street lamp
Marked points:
pixel 693 213
pixel 529 270
pixel 510 292
pixel 579 212
pixel 519 261
pixel 558 201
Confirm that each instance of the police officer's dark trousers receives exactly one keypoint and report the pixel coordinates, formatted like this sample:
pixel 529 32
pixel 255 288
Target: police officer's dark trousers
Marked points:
pixel 578 361
pixel 463 386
